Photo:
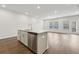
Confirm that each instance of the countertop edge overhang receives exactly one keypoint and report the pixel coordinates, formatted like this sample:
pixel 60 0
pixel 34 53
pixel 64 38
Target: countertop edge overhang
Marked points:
pixel 49 32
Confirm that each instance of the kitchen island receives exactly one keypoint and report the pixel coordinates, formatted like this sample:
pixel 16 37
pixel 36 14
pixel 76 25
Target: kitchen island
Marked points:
pixel 36 41
pixel 55 42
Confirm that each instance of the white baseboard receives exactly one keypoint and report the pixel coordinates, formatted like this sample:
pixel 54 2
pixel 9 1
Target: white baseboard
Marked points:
pixel 7 37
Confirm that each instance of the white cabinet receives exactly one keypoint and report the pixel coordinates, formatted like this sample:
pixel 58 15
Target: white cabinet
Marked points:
pixel 22 36
pixel 19 35
pixel 42 42
pixel 37 42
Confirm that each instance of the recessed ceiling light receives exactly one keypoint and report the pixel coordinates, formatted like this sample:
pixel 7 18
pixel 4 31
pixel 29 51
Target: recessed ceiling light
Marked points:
pixel 38 7
pixel 3 6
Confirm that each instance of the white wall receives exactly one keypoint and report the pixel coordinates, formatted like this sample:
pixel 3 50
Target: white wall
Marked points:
pixel 36 24
pixel 10 22
pixel 22 21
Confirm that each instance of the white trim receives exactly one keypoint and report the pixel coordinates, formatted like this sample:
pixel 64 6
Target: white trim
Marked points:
pixel 7 37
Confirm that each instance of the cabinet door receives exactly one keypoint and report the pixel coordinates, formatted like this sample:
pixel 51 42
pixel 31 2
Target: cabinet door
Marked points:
pixel 24 39
pixel 19 35
pixel 42 42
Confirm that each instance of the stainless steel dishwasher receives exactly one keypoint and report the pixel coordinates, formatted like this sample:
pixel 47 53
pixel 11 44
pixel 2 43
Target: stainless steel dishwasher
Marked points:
pixel 32 41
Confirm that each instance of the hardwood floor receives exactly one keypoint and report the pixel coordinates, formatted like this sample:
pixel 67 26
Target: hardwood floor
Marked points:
pixel 13 46
pixel 58 44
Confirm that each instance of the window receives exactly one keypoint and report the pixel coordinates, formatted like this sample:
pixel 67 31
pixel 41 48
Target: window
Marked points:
pixel 73 26
pixel 56 25
pixel 66 25
pixel 50 25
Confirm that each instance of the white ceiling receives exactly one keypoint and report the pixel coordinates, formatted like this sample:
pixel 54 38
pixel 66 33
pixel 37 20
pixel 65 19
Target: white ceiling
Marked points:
pixel 45 9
